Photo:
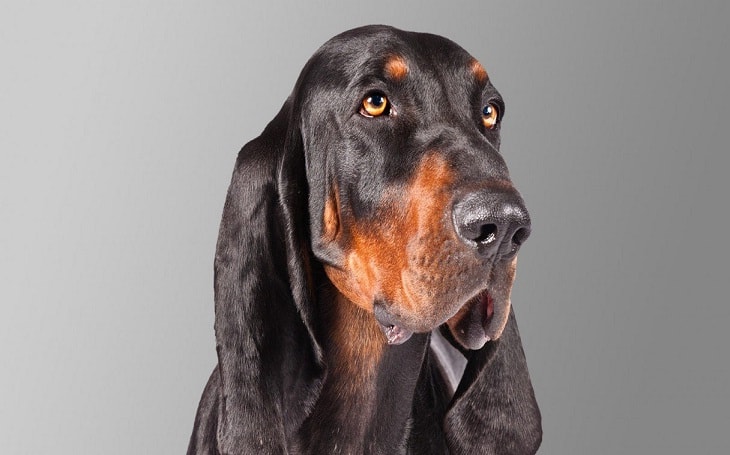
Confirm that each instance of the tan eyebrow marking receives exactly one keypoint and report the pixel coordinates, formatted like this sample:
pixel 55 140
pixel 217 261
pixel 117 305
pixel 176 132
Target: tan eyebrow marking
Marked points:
pixel 479 71
pixel 396 67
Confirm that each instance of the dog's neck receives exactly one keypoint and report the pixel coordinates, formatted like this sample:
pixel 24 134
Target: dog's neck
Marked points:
pixel 367 397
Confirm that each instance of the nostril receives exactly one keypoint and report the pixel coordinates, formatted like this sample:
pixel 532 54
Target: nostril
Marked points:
pixel 487 234
pixel 520 236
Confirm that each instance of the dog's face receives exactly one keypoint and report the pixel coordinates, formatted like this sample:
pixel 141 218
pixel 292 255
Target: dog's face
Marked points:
pixel 418 222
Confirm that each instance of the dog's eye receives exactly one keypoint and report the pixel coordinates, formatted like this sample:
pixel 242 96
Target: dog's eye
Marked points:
pixel 374 105
pixel 490 116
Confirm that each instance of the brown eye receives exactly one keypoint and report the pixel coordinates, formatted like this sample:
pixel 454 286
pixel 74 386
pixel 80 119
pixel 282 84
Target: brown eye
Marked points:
pixel 374 105
pixel 490 115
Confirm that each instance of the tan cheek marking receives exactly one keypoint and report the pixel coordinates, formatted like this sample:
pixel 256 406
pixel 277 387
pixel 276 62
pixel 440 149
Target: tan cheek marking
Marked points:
pixel 396 67
pixel 479 71
pixel 378 254
pixel 354 280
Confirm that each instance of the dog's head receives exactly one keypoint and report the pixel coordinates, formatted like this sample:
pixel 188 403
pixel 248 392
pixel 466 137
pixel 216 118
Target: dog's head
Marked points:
pixel 417 221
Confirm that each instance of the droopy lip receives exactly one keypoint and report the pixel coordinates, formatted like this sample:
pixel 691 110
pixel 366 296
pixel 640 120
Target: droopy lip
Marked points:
pixel 470 326
pixel 395 334
pixel 483 317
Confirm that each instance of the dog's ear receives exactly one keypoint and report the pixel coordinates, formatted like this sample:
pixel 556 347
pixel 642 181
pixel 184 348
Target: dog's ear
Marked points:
pixel 270 365
pixel 494 409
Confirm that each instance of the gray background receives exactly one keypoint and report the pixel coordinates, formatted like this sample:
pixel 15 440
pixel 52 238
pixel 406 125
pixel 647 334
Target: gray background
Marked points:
pixel 119 125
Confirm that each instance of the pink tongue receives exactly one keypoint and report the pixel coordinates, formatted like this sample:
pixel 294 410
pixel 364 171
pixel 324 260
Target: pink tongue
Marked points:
pixel 490 306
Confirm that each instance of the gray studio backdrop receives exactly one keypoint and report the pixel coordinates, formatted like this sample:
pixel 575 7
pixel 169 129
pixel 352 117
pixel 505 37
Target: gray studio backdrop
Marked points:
pixel 119 126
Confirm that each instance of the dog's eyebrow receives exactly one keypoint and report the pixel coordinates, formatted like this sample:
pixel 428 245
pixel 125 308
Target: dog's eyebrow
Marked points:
pixel 479 71
pixel 396 67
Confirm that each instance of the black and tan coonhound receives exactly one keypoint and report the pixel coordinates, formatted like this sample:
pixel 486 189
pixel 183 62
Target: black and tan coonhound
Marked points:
pixel 364 265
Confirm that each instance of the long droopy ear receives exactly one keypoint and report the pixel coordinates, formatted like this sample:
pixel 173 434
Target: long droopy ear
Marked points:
pixel 270 365
pixel 494 409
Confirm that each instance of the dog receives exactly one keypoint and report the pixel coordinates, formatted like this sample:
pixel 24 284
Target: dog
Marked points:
pixel 364 265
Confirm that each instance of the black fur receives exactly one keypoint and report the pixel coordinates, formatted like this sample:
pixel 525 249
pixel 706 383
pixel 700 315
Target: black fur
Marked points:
pixel 270 392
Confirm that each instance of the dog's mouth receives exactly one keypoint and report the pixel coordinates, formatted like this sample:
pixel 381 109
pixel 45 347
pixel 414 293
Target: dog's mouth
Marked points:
pixel 481 319
pixel 473 325
pixel 479 313
pixel 470 325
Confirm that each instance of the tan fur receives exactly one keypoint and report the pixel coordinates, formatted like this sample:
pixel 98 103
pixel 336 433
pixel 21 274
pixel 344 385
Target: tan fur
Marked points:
pixel 357 345
pixel 479 71
pixel 409 229
pixel 396 67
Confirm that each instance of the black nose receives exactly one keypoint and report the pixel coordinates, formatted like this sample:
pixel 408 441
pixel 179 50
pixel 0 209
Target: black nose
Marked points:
pixel 495 223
